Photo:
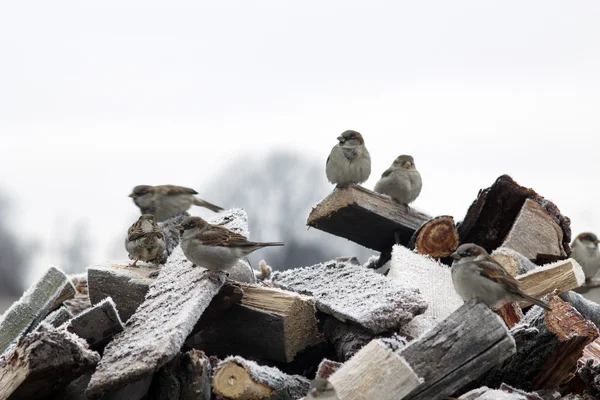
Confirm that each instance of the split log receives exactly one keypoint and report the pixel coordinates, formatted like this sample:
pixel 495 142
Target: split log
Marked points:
pixel 375 372
pixel 505 392
pixel 591 352
pixel 327 368
pixel 34 305
pixel 58 317
pixel 511 313
pixel 434 281
pixel 96 325
pixel 548 359
pixel 458 350
pixel 269 324
pixel 229 295
pixel 437 238
pixel 74 390
pixel 187 376
pixel 347 339
pixel 492 215
pixel 236 378
pixel 350 292
pixel 513 262
pixel 365 217
pixel 589 309
pixel 159 327
pixel 78 304
pixel 535 232
pixel 561 276
pixel 43 362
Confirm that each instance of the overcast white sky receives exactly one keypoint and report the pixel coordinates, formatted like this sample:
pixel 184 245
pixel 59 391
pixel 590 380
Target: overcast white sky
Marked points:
pixel 96 97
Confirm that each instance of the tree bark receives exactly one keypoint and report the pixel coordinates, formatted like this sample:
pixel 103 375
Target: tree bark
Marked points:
pixel 437 238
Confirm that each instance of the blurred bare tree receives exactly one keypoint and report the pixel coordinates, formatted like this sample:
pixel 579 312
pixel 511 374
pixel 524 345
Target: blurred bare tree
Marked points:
pixel 278 192
pixel 14 255
pixel 77 249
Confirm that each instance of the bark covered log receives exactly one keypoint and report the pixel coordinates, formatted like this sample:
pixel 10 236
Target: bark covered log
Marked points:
pixel 350 292
pixel 365 217
pixel 347 339
pixel 58 317
pixel 437 238
pixel 492 215
pixel 186 377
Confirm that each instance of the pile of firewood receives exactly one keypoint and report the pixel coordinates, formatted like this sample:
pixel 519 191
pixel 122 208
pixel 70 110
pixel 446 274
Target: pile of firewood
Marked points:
pixel 393 328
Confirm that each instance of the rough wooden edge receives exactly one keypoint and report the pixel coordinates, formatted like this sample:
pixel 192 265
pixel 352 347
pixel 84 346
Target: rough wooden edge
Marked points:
pixel 562 276
pixel 437 238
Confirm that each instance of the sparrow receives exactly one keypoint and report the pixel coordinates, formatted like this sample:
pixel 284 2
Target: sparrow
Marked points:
pixel 145 240
pixel 349 161
pixel 402 182
pixel 321 389
pixel 166 201
pixel 585 252
pixel 476 275
pixel 215 247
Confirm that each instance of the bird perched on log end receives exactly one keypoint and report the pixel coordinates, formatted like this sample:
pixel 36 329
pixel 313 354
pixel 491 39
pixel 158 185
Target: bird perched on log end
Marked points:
pixel 145 240
pixel 321 389
pixel 586 253
pixel 402 182
pixel 476 275
pixel 166 201
pixel 215 247
pixel 349 161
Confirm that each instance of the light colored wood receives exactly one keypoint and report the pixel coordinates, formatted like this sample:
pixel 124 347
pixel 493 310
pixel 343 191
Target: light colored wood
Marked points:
pixel 514 263
pixel 375 372
pixel 365 217
pixel 591 352
pixel 535 232
pixel 562 276
pixel 234 382
pixel 436 238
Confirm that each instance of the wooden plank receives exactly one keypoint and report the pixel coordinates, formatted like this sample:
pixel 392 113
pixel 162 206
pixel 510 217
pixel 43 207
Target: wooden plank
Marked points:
pixel 351 292
pixel 33 306
pixel 562 276
pixel 375 372
pixel 458 350
pixel 365 217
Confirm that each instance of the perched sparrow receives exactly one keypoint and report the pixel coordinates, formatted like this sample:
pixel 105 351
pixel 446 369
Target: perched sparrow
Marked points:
pixel 215 247
pixel 167 201
pixel 401 181
pixel 476 275
pixel 321 389
pixel 585 252
pixel 349 161
pixel 145 240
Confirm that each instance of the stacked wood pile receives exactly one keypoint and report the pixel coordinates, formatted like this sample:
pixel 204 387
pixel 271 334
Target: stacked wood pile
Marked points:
pixel 336 330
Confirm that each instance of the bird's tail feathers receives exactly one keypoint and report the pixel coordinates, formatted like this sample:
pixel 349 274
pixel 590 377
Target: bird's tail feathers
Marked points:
pixel 206 204
pixel 538 302
pixel 266 244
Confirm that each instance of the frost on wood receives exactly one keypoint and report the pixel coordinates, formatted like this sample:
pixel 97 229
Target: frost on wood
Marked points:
pixel 237 378
pixel 97 324
pixel 34 305
pixel 43 362
pixel 235 219
pixel 434 281
pixel 155 333
pixel 485 393
pixel 350 292
pixel 58 317
pixel 589 309
pixel 346 339
pixel 172 234
pixel 185 377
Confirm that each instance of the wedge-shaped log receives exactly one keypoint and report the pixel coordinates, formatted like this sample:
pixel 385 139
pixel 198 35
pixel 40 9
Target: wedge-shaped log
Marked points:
pixel 589 309
pixel 547 359
pixel 492 215
pixel 365 217
pixel 562 276
pixel 33 306
pixel 238 379
pixel 434 281
pixel 350 292
pixel 58 317
pixel 375 372
pixel 458 350
pixel 187 376
pixel 97 324
pixel 437 238
pixel 269 324
pixel 43 362
pixel 159 327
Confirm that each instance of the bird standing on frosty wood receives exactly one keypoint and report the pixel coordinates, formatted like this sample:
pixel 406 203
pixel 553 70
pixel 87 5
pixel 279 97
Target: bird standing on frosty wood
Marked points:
pixel 166 201
pixel 476 275
pixel 145 240
pixel 349 161
pixel 402 182
pixel 215 247
pixel 586 253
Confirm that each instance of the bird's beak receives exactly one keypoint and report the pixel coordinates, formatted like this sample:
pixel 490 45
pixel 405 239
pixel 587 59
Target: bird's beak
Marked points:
pixel 407 165
pixel 180 227
pixel 133 195
pixel 596 241
pixel 455 256
pixel 341 139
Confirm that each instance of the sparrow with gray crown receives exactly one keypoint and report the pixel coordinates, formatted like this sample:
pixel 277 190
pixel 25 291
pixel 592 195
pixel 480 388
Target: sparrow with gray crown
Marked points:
pixel 402 182
pixel 349 161
pixel 166 201
pixel 145 240
pixel 586 253
pixel 476 275
pixel 215 247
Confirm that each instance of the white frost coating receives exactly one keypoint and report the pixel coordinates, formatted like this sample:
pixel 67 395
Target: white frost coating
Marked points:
pixel 577 270
pixel 433 279
pixel 235 219
pixel 523 262
pixel 485 393
pixel 351 292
